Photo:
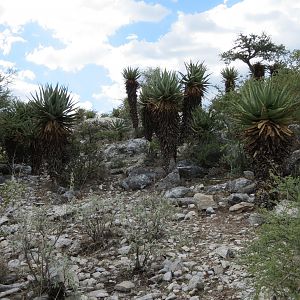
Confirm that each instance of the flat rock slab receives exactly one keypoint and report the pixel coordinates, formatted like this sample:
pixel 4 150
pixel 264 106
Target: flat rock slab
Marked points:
pixel 241 207
pixel 179 192
pixel 124 286
pixel 204 201
pixel 98 294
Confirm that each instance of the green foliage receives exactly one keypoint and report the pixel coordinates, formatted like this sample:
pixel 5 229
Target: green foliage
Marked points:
pixel 145 227
pixel 230 75
pixel 18 131
pixel 265 100
pixel 253 46
pixel 204 145
pixel 195 83
pixel 131 74
pixel 273 257
pixel 204 124
pixel 120 127
pixel 85 160
pixel 265 110
pixel 131 77
pixel 289 188
pixel 11 192
pixel 164 91
pixel 84 114
pixel 195 80
pixel 235 157
pixel 54 114
pixel 122 111
pixel 97 220
pixel 164 97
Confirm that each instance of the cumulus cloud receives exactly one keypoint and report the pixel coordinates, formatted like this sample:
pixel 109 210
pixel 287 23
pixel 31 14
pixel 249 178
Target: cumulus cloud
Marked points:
pixel 6 64
pixel 84 28
pixel 26 74
pixel 7 39
pixel 203 36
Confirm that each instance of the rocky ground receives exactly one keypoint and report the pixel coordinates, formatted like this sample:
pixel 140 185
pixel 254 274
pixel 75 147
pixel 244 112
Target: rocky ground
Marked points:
pixel 195 258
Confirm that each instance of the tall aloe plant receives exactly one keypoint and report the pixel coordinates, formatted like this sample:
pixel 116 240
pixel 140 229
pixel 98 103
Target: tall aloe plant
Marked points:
pixel 230 75
pixel 55 115
pixel 195 83
pixel 131 77
pixel 265 111
pixel 165 99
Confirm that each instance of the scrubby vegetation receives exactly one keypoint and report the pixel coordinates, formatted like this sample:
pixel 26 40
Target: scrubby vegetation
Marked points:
pixel 249 125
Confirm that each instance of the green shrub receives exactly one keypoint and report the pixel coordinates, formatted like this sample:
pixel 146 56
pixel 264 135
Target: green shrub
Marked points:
pixel 36 239
pixel 206 154
pixel 273 258
pixel 120 127
pixel 235 157
pixel 11 192
pixel 97 220
pixel 204 145
pixel 84 155
pixel 145 227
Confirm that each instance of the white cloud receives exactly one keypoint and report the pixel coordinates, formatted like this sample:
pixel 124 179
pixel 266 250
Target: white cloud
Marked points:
pixel 111 95
pixel 203 36
pixel 131 37
pixel 7 64
pixel 88 105
pixel 7 39
pixel 23 89
pixel 84 26
pixel 26 74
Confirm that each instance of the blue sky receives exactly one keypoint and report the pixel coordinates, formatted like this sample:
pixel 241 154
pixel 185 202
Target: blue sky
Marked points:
pixel 85 44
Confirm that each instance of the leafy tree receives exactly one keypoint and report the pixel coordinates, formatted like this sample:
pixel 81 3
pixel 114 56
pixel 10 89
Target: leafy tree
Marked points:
pixel 86 114
pixel 253 47
pixel 18 131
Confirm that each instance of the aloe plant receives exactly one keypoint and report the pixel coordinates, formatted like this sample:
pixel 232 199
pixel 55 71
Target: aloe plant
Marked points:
pixel 265 111
pixel 54 114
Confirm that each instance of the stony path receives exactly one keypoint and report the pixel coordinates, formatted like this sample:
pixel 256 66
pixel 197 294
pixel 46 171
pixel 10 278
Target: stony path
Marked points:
pixel 197 259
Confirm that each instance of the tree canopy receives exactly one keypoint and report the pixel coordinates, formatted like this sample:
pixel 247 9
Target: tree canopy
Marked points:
pixel 259 48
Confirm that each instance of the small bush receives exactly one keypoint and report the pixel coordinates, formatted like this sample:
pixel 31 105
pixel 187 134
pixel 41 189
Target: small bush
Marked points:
pixel 4 270
pixel 36 238
pixel 97 220
pixel 120 127
pixel 235 157
pixel 84 155
pixel 204 145
pixel 11 192
pixel 145 227
pixel 273 259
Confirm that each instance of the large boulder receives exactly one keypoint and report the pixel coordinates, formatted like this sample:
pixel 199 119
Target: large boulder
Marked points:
pixel 292 164
pixel 189 170
pixel 125 149
pixel 238 198
pixel 179 192
pixel 240 185
pixel 204 201
pixel 136 182
pixel 168 182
